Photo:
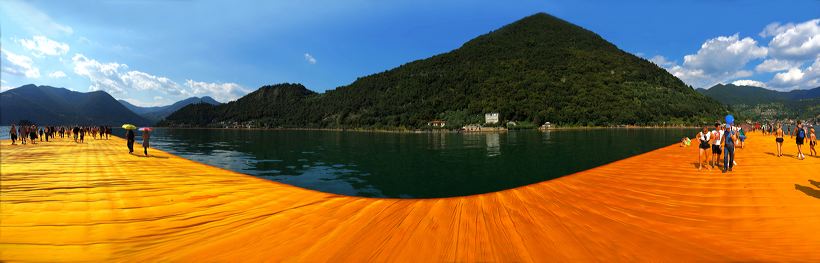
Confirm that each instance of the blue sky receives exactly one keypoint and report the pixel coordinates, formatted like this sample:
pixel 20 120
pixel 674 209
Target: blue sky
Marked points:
pixel 157 52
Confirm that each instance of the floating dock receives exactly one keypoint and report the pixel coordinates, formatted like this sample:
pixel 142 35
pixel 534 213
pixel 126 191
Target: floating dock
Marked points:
pixel 62 201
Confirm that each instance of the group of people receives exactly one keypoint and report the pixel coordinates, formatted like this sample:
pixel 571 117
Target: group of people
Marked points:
pixel 800 133
pixel 31 133
pixel 129 138
pixel 722 140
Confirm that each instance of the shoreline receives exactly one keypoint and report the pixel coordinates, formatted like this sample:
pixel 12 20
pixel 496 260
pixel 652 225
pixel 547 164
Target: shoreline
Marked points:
pixel 429 130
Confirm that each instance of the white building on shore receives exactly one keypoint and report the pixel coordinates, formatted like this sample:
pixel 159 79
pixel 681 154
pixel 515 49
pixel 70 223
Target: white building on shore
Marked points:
pixel 491 118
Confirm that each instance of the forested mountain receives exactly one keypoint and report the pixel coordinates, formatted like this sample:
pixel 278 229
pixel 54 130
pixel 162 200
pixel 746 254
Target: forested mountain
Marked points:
pixel 750 102
pixel 46 105
pixel 159 112
pixel 733 94
pixel 537 69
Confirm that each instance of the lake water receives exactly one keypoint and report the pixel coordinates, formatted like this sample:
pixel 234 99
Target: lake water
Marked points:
pixel 405 165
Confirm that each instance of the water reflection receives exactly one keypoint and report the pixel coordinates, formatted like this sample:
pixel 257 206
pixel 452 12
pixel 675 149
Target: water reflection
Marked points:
pixel 409 164
pixel 493 144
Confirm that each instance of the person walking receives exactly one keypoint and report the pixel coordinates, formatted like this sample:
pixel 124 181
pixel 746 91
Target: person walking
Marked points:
pixel 146 135
pixel 812 142
pixel 703 147
pixel 76 132
pixel 129 137
pixel 742 136
pixel 82 135
pixel 800 135
pixel 778 137
pixel 32 133
pixel 13 134
pixel 717 136
pixel 40 130
pixel 23 132
pixel 729 142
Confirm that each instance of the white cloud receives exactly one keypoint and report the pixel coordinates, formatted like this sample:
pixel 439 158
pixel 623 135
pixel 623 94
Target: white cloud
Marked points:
pixel 749 82
pixel 19 65
pixel 795 78
pixel 718 60
pixel 4 88
pixel 40 45
pixel 726 58
pixel 724 54
pixel 32 19
pixel 220 91
pixel 144 81
pixel 310 59
pixel 103 76
pixel 661 61
pixel 115 78
pixel 57 74
pixel 775 65
pixel 794 41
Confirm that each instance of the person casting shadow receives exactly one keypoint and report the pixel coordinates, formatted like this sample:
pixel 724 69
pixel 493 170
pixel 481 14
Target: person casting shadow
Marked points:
pixel 129 136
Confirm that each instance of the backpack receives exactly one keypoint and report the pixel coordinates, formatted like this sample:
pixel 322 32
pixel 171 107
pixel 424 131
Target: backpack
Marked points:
pixel 801 133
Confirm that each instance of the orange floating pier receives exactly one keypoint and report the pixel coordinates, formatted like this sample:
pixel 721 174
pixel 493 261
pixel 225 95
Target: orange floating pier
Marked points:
pixel 62 201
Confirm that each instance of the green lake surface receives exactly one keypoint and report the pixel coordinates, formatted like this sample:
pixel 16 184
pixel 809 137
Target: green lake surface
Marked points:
pixel 409 165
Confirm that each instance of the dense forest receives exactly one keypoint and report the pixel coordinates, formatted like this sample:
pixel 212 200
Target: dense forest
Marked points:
pixel 756 103
pixel 537 69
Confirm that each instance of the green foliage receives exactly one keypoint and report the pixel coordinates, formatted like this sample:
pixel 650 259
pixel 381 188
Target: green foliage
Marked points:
pixel 755 103
pixel 537 69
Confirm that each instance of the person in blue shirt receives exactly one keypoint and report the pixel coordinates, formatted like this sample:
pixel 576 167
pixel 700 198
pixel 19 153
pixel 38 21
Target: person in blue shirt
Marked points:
pixel 729 141
pixel 800 135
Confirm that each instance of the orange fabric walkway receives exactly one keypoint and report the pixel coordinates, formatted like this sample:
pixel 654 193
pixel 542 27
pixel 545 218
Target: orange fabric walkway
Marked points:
pixel 62 201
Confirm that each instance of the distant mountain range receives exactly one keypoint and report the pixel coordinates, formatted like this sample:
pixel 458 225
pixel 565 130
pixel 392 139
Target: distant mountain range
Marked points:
pixel 537 69
pixel 159 112
pixel 44 105
pixel 760 103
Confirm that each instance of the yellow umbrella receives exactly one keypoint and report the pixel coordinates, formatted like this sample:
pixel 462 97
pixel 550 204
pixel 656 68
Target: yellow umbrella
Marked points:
pixel 129 126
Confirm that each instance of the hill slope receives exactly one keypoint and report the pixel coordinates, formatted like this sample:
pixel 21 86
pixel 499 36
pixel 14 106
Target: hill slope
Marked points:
pixel 539 68
pixel 56 106
pixel 751 102
pixel 159 112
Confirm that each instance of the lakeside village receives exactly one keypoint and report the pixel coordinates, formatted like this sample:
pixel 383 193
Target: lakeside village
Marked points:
pixel 492 123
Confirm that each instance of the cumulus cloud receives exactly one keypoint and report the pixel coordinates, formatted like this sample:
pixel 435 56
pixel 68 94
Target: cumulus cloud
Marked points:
pixel 749 82
pixel 724 54
pixel 143 81
pixel 220 91
pixel 19 65
pixel 794 41
pixel 310 59
pixel 718 60
pixel 795 78
pixel 775 65
pixel 57 74
pixel 40 46
pixel 117 79
pixel 726 58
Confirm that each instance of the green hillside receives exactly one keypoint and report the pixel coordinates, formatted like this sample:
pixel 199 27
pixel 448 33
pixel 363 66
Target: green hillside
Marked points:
pixel 537 69
pixel 755 103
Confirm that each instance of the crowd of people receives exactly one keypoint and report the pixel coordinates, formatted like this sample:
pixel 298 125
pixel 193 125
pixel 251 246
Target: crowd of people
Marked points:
pixel 30 134
pixel 723 138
